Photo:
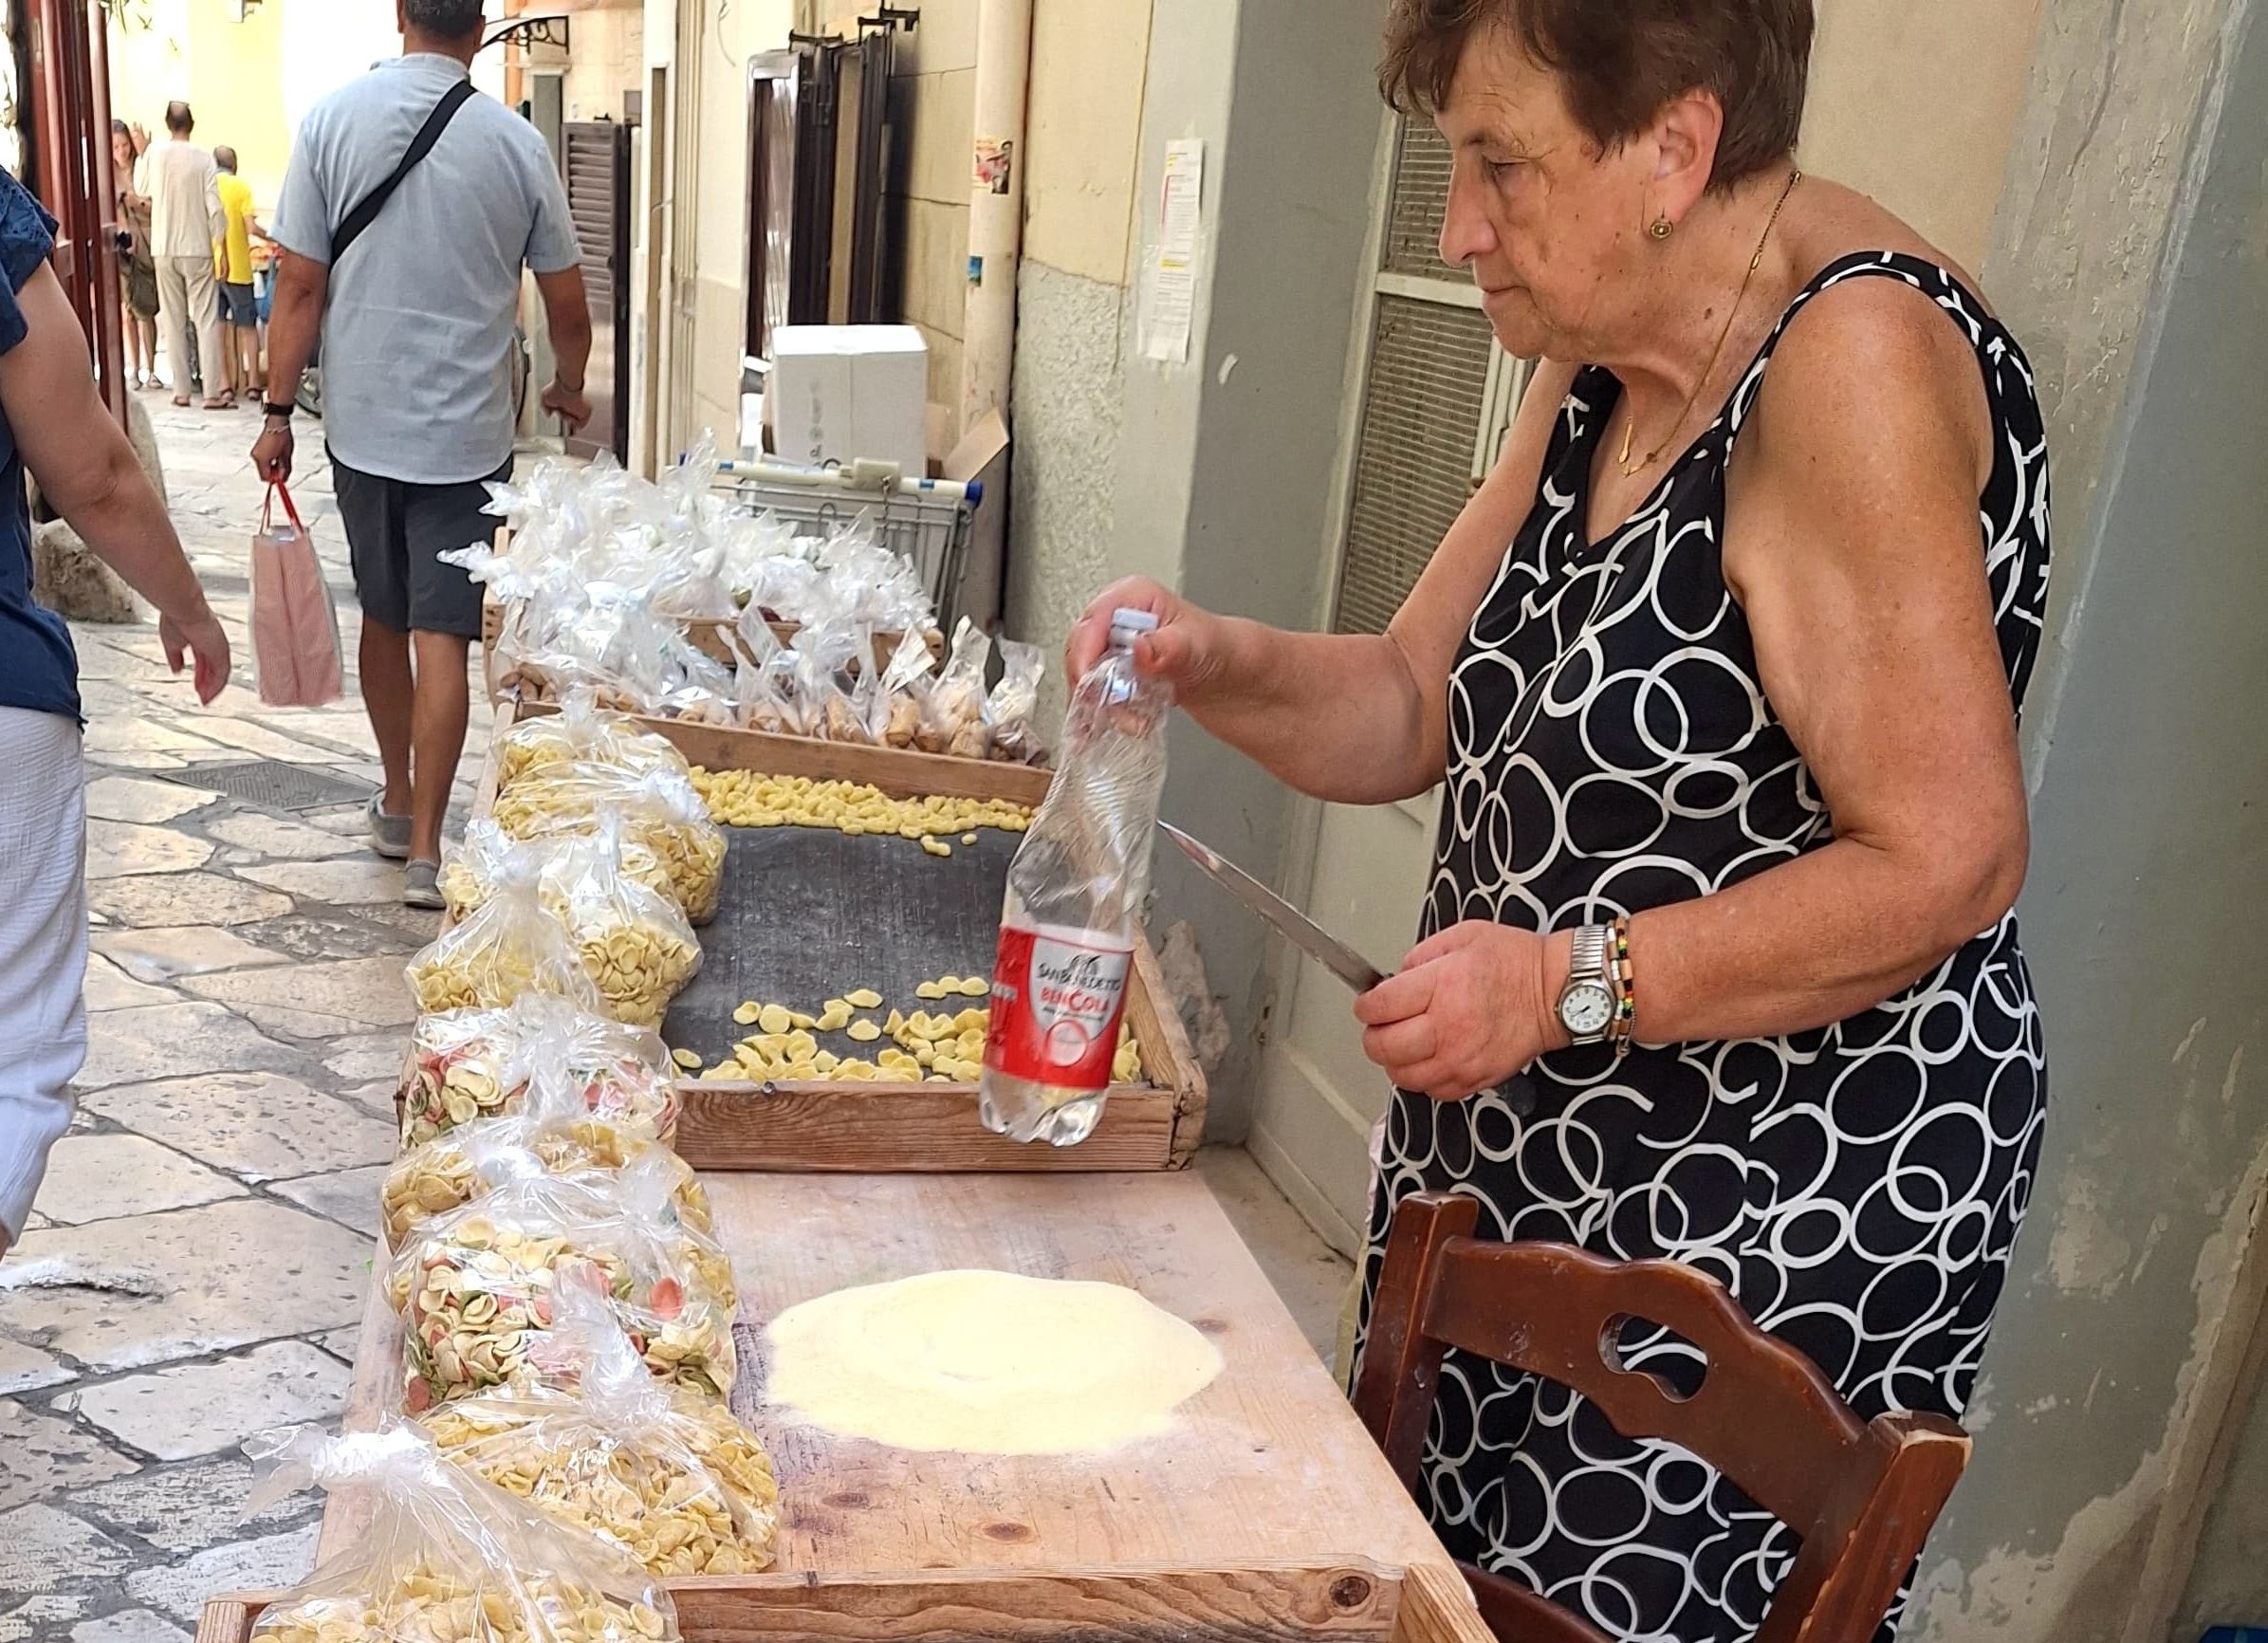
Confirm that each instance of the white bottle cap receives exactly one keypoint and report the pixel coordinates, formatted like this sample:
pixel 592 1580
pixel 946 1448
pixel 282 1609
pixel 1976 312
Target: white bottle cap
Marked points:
pixel 1127 619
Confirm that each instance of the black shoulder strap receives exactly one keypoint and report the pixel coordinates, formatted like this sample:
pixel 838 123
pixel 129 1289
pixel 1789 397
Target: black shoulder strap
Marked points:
pixel 422 144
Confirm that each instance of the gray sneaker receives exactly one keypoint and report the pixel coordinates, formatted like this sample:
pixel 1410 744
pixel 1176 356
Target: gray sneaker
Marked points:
pixel 389 835
pixel 421 885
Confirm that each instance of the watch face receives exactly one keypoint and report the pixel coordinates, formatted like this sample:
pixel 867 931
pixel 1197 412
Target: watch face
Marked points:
pixel 1585 1010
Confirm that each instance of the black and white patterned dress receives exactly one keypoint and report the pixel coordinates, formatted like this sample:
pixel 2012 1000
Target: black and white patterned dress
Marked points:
pixel 1860 1187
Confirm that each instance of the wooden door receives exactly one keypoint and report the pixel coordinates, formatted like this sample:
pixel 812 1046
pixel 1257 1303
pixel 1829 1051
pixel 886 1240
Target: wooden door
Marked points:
pixel 594 156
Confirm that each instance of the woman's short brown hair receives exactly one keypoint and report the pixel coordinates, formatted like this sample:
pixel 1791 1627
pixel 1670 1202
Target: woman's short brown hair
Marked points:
pixel 1622 59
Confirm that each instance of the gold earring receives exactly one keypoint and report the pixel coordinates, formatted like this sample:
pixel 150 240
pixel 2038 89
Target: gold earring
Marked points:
pixel 1662 227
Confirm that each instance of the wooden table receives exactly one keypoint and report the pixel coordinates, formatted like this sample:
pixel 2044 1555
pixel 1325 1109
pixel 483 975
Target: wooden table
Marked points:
pixel 1264 1516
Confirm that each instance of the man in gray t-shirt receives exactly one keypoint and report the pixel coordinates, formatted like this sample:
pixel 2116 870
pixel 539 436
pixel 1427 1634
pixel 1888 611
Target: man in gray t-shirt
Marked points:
pixel 416 322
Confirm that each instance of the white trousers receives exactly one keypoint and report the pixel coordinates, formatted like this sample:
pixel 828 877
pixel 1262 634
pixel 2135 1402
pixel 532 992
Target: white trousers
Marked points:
pixel 43 947
pixel 189 295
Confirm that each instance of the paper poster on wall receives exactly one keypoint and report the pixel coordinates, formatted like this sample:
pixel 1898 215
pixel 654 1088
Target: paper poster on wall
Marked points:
pixel 995 164
pixel 1174 270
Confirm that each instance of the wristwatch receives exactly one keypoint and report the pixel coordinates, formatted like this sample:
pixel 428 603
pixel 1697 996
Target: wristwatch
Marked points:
pixel 270 408
pixel 1587 1002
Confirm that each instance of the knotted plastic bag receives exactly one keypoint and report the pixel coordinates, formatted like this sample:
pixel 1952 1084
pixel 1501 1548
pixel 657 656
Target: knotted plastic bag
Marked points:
pixel 636 945
pixel 475 1288
pixel 1014 704
pixel 469 872
pixel 604 1448
pixel 659 808
pixel 952 716
pixel 513 946
pixel 448 1557
pixel 556 1130
pixel 469 1064
pixel 582 731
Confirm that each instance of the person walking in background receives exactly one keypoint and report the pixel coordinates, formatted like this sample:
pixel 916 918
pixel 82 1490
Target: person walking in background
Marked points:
pixel 54 424
pixel 140 298
pixel 235 263
pixel 416 316
pixel 187 230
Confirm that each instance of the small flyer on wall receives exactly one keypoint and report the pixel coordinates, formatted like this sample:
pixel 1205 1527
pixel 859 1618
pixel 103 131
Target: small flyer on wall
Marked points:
pixel 1173 269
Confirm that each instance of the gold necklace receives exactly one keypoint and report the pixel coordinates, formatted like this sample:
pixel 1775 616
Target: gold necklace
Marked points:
pixel 1629 428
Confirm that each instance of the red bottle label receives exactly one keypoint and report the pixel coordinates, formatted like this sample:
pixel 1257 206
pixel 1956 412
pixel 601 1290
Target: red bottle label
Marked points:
pixel 1057 996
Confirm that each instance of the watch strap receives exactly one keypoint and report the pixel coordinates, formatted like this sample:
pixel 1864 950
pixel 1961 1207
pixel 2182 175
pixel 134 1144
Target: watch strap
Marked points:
pixel 1587 968
pixel 270 408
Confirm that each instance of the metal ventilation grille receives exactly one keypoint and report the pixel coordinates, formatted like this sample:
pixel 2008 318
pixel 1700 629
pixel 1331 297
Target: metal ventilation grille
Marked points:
pixel 1413 468
pixel 1421 198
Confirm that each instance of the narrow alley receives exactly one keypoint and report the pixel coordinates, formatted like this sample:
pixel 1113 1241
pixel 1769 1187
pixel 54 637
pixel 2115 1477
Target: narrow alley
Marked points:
pixel 199 1253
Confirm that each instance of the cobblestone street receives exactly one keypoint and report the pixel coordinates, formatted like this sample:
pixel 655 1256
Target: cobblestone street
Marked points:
pixel 199 1252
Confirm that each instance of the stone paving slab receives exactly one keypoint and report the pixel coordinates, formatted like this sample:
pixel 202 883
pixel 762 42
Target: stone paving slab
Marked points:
pixel 135 798
pixel 119 849
pixel 349 1197
pixel 347 883
pixel 26 1369
pixel 178 899
pixel 364 992
pixel 110 987
pixel 103 1177
pixel 41 1548
pixel 129 1626
pixel 165 1040
pixel 190 949
pixel 184 1508
pixel 191 1409
pixel 266 1563
pixel 39 1452
pixel 271 836
pixel 219 1276
pixel 257 1126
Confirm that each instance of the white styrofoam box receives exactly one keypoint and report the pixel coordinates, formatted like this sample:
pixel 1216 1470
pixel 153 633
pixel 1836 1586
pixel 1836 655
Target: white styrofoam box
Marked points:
pixel 840 393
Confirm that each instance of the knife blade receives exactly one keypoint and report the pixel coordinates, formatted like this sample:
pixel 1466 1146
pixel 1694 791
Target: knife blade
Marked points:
pixel 1312 939
pixel 1304 932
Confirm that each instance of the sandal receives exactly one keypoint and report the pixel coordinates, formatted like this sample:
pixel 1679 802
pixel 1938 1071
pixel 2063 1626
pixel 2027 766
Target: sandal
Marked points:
pixel 181 401
pixel 226 402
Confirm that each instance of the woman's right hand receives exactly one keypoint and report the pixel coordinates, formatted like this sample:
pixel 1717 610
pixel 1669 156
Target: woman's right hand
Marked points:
pixel 1187 649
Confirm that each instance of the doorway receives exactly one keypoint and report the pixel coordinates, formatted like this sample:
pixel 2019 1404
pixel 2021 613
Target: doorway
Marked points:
pixel 1432 398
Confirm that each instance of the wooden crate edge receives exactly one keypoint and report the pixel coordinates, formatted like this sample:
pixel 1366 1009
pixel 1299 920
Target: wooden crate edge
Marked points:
pixel 1350 1597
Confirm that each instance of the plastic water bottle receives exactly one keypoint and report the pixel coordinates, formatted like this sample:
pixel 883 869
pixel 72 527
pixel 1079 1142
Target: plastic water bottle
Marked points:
pixel 1075 894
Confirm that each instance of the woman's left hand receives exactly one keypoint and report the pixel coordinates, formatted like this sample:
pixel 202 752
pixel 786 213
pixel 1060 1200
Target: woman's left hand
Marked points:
pixel 1473 1005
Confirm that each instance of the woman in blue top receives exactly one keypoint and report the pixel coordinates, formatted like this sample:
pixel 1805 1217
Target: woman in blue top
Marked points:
pixel 54 425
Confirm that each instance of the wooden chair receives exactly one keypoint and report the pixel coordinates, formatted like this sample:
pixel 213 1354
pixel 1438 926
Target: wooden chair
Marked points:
pixel 1863 1495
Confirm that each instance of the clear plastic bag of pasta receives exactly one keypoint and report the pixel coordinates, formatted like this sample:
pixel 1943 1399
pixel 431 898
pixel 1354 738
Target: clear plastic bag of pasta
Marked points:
pixel 447 1557
pixel 582 732
pixel 760 673
pixel 476 1289
pixel 1013 708
pixel 513 946
pixel 636 945
pixel 471 1064
pixel 604 1448
pixel 952 712
pixel 905 688
pixel 469 873
pixel 659 808
pixel 555 1133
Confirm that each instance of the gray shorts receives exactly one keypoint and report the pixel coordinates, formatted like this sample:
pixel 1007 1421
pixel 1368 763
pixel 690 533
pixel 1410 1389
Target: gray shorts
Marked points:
pixel 395 533
pixel 236 307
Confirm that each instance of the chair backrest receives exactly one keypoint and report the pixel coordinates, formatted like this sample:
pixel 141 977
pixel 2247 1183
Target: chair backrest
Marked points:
pixel 1862 1495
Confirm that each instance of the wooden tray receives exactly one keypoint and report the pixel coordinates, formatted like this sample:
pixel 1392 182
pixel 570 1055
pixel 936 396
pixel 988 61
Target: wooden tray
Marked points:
pixel 1266 1513
pixel 870 1128
pixel 1333 1603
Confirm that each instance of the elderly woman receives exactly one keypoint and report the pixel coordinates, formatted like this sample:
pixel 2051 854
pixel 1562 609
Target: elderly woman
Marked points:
pixel 1720 668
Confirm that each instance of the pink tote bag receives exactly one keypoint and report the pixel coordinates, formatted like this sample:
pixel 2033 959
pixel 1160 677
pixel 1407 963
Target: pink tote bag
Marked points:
pixel 295 620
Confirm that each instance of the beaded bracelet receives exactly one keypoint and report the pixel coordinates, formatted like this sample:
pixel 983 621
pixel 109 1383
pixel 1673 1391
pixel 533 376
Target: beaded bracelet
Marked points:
pixel 1626 992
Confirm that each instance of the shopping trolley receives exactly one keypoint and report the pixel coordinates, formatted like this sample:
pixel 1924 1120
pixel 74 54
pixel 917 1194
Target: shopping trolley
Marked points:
pixel 927 520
